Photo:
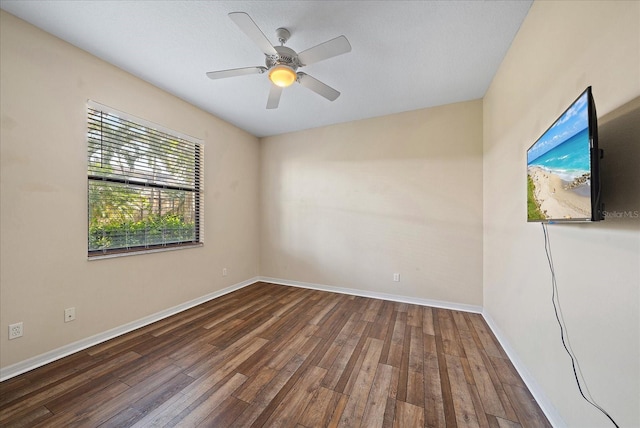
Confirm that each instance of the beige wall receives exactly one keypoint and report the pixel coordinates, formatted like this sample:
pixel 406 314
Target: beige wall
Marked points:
pixel 561 48
pixel 44 267
pixel 350 204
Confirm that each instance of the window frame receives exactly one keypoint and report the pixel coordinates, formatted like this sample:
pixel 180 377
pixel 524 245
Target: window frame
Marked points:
pixel 197 189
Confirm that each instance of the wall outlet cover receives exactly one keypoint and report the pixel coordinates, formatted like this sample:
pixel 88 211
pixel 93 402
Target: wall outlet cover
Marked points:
pixel 15 330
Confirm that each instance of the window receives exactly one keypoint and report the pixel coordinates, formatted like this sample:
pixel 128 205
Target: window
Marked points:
pixel 144 185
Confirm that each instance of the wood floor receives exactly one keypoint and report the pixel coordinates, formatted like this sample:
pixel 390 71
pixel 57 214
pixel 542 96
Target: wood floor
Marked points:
pixel 269 355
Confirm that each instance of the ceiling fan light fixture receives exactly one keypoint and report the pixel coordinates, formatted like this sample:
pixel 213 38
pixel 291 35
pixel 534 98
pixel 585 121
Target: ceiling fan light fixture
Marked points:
pixel 282 75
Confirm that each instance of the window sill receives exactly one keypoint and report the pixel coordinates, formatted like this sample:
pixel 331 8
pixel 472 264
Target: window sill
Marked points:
pixel 139 252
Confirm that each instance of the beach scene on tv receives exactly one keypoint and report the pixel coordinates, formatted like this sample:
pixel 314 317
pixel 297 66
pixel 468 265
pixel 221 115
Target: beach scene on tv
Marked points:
pixel 558 169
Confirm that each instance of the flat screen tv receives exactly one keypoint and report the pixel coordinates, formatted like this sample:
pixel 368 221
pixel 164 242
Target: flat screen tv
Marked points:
pixel 563 167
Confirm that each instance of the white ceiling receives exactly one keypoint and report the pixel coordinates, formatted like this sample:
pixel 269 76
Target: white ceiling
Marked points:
pixel 405 55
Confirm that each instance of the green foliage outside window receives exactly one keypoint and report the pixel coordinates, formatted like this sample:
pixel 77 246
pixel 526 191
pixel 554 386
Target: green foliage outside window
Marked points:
pixel 126 234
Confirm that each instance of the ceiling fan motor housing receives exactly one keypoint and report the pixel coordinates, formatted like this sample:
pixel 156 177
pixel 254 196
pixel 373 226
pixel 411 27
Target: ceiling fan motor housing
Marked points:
pixel 285 56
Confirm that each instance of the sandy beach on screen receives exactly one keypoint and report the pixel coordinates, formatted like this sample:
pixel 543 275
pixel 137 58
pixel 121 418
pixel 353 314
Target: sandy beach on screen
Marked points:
pixel 555 200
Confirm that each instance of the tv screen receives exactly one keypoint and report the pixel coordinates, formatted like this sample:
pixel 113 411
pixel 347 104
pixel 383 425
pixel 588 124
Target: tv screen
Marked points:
pixel 563 180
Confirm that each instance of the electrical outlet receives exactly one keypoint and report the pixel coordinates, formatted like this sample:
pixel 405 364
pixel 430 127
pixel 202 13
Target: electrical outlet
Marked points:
pixel 15 330
pixel 69 314
pixel 396 277
pixel 224 272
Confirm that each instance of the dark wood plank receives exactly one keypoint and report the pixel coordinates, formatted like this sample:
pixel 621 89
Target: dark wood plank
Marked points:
pixel 225 414
pixel 477 404
pixel 296 400
pixel 509 412
pixel 504 423
pixel 201 409
pixel 30 418
pixel 460 320
pixel 463 403
pixel 352 362
pixel 267 394
pixel 414 316
pixel 529 413
pixel 415 389
pixel 408 415
pixel 49 374
pixel 416 350
pixel 427 321
pixel 449 333
pixel 415 379
pixel 391 322
pixel 82 404
pixel 445 385
pixel 206 366
pixel 389 413
pixel 354 411
pixel 371 313
pixel 321 408
pixel 486 389
pixel 397 340
pixel 106 410
pixel 250 389
pixel 505 371
pixel 377 400
pixel 489 342
pixel 275 402
pixel 98 386
pixel 340 341
pixel 43 395
pixel 157 397
pixel 162 415
pixel 338 412
pixel 433 399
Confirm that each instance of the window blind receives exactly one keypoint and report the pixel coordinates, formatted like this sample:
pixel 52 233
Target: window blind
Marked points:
pixel 144 185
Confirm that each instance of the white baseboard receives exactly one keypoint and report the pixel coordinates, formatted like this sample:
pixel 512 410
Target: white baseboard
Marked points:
pixel 541 398
pixel 376 295
pixel 48 357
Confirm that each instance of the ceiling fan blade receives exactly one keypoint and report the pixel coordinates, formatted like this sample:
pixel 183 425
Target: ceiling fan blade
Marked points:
pixel 222 74
pixel 329 49
pixel 250 28
pixel 317 86
pixel 274 96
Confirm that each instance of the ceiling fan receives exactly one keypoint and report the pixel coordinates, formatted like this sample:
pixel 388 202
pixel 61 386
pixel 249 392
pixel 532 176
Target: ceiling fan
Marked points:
pixel 282 63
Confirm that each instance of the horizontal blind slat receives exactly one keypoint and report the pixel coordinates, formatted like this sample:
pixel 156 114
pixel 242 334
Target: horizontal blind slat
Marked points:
pixel 146 145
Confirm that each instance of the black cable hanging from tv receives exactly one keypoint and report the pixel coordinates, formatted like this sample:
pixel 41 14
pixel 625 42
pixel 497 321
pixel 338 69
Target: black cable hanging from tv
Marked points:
pixel 557 310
